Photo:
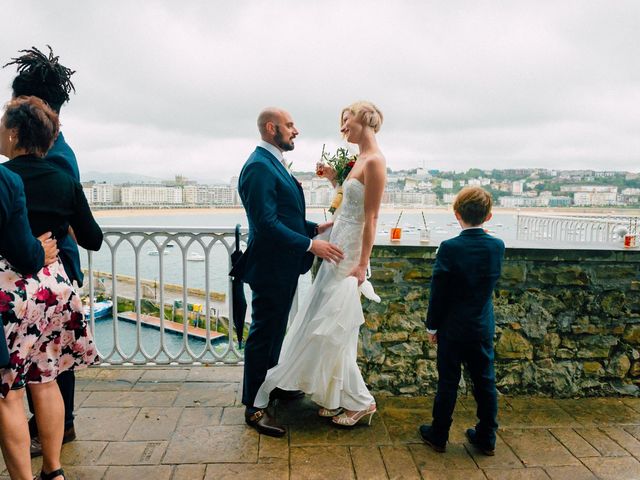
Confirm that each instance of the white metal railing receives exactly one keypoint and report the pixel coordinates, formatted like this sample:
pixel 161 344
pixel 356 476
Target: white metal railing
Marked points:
pixel 216 245
pixel 574 228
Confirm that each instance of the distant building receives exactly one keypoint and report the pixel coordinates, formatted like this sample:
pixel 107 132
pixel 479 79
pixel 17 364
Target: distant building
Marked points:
pixel 447 184
pixel 151 195
pixel 517 187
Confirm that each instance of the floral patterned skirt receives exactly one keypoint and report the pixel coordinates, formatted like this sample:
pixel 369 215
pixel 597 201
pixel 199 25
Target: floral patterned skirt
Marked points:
pixel 44 326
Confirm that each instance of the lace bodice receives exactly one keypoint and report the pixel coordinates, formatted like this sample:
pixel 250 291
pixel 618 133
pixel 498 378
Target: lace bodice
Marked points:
pixel 349 223
pixel 352 201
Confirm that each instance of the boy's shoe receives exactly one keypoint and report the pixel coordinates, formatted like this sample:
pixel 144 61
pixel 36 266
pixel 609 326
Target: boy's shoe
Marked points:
pixel 426 432
pixel 485 448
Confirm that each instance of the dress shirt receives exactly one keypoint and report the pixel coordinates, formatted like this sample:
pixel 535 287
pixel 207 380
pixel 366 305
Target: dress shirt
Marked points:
pixel 433 332
pixel 275 151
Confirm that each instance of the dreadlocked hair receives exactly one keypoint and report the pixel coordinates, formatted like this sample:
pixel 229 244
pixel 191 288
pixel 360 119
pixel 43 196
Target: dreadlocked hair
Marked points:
pixel 42 76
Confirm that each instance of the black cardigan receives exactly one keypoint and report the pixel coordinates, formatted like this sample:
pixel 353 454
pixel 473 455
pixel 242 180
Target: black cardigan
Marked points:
pixel 55 200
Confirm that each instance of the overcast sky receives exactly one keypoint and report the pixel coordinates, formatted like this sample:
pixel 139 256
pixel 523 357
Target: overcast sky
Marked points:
pixel 172 87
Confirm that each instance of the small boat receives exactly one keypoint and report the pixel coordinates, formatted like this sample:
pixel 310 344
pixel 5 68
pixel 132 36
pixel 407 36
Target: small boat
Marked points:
pixel 100 309
pixel 156 253
pixel 195 257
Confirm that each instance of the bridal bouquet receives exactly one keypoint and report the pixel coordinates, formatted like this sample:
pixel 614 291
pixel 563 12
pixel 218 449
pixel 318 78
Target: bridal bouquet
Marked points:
pixel 342 162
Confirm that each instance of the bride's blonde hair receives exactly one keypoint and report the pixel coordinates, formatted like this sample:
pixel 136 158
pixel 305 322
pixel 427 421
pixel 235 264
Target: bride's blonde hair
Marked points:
pixel 366 112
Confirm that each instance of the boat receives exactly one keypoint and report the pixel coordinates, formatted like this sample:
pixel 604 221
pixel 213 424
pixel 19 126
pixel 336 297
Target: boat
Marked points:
pixel 195 257
pixel 100 309
pixel 156 253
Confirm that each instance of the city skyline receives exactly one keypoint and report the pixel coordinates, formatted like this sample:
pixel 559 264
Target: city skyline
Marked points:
pixel 166 87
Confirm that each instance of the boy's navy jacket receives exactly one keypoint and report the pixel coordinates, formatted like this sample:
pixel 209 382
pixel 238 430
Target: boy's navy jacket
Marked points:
pixel 465 273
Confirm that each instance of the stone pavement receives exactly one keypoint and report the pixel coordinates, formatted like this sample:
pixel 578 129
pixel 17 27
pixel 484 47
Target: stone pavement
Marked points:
pixel 186 423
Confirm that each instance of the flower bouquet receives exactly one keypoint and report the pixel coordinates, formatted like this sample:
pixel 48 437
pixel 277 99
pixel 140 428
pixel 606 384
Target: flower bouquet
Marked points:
pixel 342 163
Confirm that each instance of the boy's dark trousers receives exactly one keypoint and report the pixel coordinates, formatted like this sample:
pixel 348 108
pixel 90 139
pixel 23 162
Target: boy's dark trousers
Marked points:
pixel 477 356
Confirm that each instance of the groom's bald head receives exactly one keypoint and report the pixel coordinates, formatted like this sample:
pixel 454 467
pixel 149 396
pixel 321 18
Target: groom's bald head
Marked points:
pixel 276 127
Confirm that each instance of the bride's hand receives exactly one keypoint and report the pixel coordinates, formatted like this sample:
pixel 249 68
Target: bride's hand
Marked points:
pixel 329 173
pixel 359 272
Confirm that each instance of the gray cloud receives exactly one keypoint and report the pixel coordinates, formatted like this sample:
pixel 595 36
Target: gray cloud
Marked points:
pixel 171 87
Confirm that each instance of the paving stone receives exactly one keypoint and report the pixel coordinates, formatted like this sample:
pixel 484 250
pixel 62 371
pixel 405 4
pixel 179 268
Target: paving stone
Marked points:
pixel 368 463
pixel 602 443
pixel 133 453
pixel 402 424
pixel 453 474
pixel 538 448
pixel 503 459
pixel 225 443
pixel 164 375
pixel 544 417
pixel 157 387
pixel 88 373
pixel 130 399
pixel 81 452
pixel 322 432
pixel 215 374
pixel 311 463
pixel 412 403
pixel 84 473
pixel 206 394
pixel 600 411
pixel 633 430
pixel 155 472
pixel 104 423
pixel 577 445
pixel 272 450
pixel 456 457
pixel 520 474
pixel 233 416
pixel 623 438
pixel 108 386
pixel 200 417
pixel 524 403
pixel 189 472
pixel 153 423
pixel 577 472
pixel 230 471
pixel 633 403
pixel 612 468
pixel 78 398
pixel 131 375
pixel 399 462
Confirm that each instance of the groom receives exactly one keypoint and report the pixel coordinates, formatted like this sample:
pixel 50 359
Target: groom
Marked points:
pixel 279 249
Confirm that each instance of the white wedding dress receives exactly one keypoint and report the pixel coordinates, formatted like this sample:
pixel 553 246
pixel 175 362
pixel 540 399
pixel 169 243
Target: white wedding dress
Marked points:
pixel 319 352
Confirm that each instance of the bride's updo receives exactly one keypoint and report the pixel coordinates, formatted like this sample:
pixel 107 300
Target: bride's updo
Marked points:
pixel 367 113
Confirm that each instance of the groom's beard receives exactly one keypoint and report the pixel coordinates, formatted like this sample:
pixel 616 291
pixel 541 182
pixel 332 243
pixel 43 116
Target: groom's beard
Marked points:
pixel 280 142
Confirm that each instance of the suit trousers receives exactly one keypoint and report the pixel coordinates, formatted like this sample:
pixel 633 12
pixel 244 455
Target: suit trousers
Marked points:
pixel 269 318
pixel 477 358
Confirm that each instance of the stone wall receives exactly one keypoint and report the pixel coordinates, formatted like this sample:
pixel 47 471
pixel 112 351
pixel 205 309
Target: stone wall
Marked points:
pixel 567 323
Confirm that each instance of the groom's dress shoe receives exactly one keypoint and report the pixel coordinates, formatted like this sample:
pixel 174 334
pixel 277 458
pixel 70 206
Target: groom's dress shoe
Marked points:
pixel 286 395
pixel 426 432
pixel 264 424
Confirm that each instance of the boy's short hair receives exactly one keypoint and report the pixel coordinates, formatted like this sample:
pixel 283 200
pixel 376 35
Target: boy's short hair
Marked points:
pixel 473 204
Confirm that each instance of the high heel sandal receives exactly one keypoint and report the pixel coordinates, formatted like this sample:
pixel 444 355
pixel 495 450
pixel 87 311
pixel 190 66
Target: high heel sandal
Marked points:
pixel 327 412
pixel 52 475
pixel 345 420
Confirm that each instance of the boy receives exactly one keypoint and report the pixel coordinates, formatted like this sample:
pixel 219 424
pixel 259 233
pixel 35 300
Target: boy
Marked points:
pixel 460 320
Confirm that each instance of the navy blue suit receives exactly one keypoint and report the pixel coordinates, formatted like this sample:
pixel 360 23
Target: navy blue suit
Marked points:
pixel 275 256
pixel 465 273
pixel 17 244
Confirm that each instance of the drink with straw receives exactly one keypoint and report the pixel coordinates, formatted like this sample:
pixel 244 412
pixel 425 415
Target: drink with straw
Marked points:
pixel 425 235
pixel 396 232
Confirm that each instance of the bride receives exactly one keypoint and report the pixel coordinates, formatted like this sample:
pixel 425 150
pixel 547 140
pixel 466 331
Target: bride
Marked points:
pixel 320 350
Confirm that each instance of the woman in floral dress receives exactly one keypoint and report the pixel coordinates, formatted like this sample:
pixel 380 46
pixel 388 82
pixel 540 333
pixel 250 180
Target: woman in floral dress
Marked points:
pixel 41 313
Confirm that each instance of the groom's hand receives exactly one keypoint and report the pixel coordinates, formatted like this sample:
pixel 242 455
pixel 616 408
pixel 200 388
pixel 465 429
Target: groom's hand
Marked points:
pixel 326 251
pixel 323 227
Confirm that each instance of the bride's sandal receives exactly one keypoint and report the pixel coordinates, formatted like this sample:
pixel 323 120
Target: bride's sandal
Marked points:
pixel 345 420
pixel 327 412
pixel 51 475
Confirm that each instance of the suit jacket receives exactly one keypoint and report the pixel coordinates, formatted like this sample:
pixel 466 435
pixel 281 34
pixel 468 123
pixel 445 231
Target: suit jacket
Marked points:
pixel 17 243
pixel 279 234
pixel 465 273
pixel 62 156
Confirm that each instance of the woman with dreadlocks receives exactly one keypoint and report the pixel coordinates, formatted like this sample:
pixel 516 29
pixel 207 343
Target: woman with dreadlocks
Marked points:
pixel 43 76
